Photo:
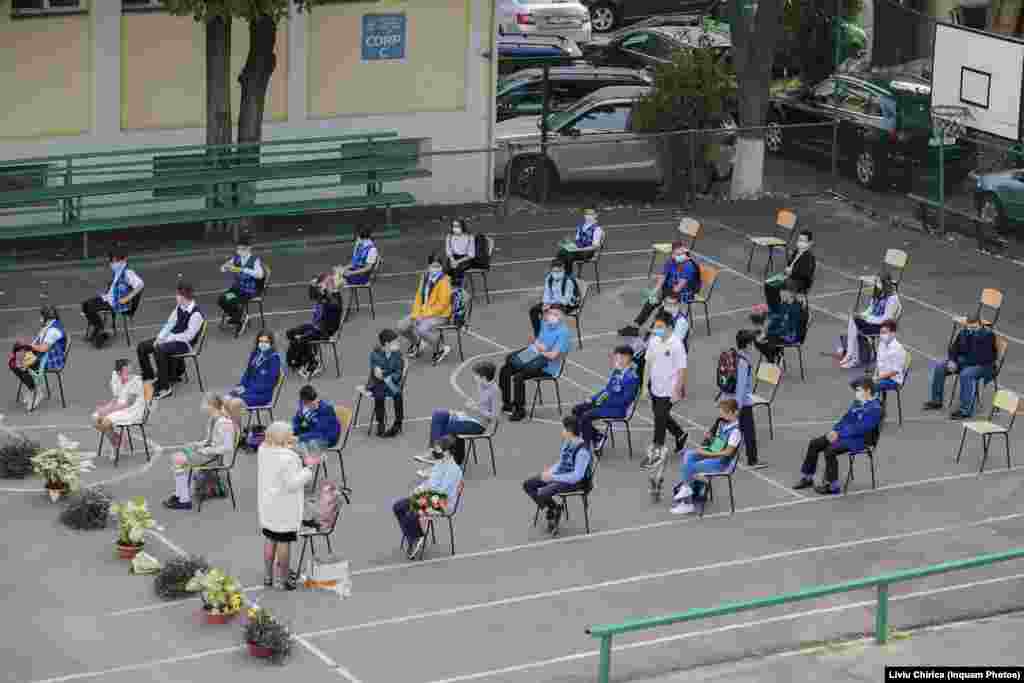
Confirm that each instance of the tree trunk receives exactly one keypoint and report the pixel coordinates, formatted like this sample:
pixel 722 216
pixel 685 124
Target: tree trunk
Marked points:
pixel 218 97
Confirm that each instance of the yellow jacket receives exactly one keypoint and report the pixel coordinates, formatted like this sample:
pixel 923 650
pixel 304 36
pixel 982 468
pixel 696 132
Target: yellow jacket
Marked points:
pixel 438 304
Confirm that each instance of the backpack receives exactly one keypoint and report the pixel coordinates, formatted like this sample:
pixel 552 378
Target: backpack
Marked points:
pixel 253 438
pixel 460 307
pixel 726 375
pixel 481 245
pixel 574 300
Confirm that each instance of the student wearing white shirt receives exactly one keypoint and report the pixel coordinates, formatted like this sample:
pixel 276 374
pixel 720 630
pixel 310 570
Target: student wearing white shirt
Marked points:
pixel 460 250
pixel 891 364
pixel 180 330
pixel 248 271
pixel 665 359
pixel 124 286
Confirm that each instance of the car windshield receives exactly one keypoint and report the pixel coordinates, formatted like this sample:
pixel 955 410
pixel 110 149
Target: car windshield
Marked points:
pixel 559 118
pixel 507 85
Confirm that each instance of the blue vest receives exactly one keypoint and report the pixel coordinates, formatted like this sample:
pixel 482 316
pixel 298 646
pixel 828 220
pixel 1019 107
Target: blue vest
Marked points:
pixel 724 432
pixel 54 358
pixel 181 324
pixel 246 284
pixel 878 305
pixel 121 289
pixel 585 235
pixel 567 457
pixel 360 254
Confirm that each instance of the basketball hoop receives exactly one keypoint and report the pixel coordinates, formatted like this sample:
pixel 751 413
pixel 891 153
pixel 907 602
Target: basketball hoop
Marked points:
pixel 950 119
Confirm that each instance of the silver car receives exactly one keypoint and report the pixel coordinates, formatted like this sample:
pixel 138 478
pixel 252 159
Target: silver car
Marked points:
pixel 590 141
pixel 566 18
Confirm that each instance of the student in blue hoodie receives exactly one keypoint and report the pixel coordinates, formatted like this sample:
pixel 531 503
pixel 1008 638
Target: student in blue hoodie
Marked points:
pixel 315 424
pixel 256 388
pixel 568 474
pixel 560 287
pixel 612 401
pixel 680 275
pixel 972 355
pixel 859 425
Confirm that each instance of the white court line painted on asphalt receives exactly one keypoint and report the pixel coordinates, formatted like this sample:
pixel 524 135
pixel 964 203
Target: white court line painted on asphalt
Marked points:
pixel 576 656
pixel 316 652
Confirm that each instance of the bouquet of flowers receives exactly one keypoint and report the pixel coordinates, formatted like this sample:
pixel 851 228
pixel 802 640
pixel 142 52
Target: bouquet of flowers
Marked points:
pixel 428 502
pixel 62 467
pixel 220 593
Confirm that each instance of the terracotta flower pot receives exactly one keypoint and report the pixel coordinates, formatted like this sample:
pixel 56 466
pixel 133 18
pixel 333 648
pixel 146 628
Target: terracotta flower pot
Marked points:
pixel 212 618
pixel 56 491
pixel 128 552
pixel 260 650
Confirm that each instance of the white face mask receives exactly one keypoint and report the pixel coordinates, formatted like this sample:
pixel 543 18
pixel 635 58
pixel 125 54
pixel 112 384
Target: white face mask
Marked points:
pixel 885 337
pixel 671 309
pixel 264 346
pixel 182 301
pixel 803 245
pixel 589 218
pixel 434 270
pixel 456 229
pixel 551 321
pixel 243 253
pixel 394 346
pixel 861 395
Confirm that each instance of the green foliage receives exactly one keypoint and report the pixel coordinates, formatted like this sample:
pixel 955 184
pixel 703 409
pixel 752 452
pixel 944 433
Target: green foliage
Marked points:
pixel 133 519
pixel 262 628
pixel 171 582
pixel 221 593
pixel 16 457
pixel 87 510
pixel 692 92
pixel 796 12
pixel 61 466
pixel 202 10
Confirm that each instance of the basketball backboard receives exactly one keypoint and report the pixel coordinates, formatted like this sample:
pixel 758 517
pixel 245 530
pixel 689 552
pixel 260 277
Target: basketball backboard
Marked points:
pixel 983 72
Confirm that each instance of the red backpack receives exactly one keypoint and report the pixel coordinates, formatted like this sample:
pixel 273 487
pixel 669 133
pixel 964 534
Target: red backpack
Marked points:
pixel 726 375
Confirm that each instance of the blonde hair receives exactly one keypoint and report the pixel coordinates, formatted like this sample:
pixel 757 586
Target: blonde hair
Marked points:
pixel 279 434
pixel 228 407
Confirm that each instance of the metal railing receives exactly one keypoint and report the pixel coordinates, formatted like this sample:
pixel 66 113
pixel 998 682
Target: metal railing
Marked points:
pixel 606 632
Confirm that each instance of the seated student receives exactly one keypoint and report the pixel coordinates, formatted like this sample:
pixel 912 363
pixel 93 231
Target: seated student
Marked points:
pixel 124 286
pixel 385 381
pixel 613 401
pixel 128 405
pixel 560 287
pixel 798 276
pixel 444 477
pixel 364 258
pixel 47 351
pixel 302 356
pixel 783 320
pixel 256 388
pixel 972 355
pixel 680 275
pixel 544 356
pixel 721 444
pixel 248 272
pixel 588 238
pixel 315 423
pixel 847 435
pixel 460 250
pixel 483 413
pixel 884 305
pixel 225 421
pixel 178 334
pixel 891 364
pixel 431 308
pixel 568 474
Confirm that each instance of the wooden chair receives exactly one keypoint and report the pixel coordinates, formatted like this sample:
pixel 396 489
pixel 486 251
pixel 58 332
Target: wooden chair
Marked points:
pixel 470 273
pixel 708 280
pixel 583 493
pixel 1004 402
pixel 688 228
pixel 197 350
pixel 215 469
pixel 450 326
pixel 594 260
pixel 610 422
pixel 45 373
pixel 769 373
pixel 471 439
pixel 309 534
pixel 554 379
pixel 353 297
pixel 894 263
pixel 1002 346
pixel 991 299
pixel 127 317
pixel 257 298
pixel 344 416
pixel 333 342
pixel 255 412
pixel 577 313
pixel 126 430
pixel 799 346
pixel 870 445
pixel 785 221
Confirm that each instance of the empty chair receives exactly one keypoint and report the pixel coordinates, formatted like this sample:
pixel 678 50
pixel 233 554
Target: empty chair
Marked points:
pixel 1004 402
pixel 708 280
pixel 785 222
pixel 769 373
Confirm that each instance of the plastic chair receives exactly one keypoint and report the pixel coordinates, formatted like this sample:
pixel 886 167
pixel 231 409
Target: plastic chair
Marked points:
pixel 594 260
pixel 345 419
pixel 362 391
pixel 450 326
pixel 785 220
pixel 991 299
pixel 894 263
pixel 688 227
pixel 481 272
pixel 194 354
pixel 769 373
pixel 870 444
pixel 216 467
pixel 577 312
pixel 126 430
pixel 45 376
pixel 353 297
pixel 708 280
pixel 309 534
pixel 547 378
pixel 126 317
pixel 255 412
pixel 471 439
pixel 1004 402
pixel 1002 346
pixel 583 493
pixel 709 478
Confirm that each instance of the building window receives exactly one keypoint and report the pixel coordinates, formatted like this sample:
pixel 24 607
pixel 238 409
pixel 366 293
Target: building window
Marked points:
pixel 35 7
pixel 138 5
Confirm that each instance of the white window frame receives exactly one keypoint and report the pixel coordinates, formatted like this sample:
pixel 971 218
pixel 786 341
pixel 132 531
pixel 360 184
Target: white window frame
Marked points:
pixel 141 6
pixel 47 9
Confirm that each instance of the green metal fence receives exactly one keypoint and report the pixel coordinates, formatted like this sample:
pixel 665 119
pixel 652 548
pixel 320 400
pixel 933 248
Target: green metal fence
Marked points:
pixel 606 632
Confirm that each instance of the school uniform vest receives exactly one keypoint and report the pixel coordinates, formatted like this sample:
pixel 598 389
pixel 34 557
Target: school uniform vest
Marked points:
pixel 54 358
pixel 181 324
pixel 585 235
pixel 245 283
pixel 360 254
pixel 120 287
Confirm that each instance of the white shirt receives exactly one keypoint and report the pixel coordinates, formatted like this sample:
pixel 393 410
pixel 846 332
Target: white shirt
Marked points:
pixel 189 335
pixel 133 280
pixel 49 335
pixel 255 272
pixel 665 361
pixel 463 244
pixel 892 357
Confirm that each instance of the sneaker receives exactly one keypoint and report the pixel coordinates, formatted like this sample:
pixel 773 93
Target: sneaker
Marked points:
pixel 37 398
pixel 508 408
pixel 803 483
pixel 518 415
pixel 629 331
pixel 759 465
pixel 423 474
pixel 303 372
pixel 173 503
pixel 681 442
pixel 932 405
pixel 657 459
pixel 414 350
pixel 682 492
pixel 849 364
pixel 441 354
pixel 827 489
pixel 163 393
pixel 315 369
pixel 683 509
pixel 648 459
pixel 427 458
pixel 417 547
pixel 959 415
pixel 600 439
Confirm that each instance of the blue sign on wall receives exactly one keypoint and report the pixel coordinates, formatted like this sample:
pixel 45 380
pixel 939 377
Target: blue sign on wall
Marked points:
pixel 383 36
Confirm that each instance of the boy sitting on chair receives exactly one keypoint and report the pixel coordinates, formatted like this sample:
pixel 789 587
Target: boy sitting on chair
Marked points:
pixel 680 276
pixel 568 474
pixel 613 401
pixel 588 238
pixel 248 271
pixel 721 444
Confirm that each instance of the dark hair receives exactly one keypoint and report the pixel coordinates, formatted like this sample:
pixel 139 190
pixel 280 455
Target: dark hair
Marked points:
pixel 664 318
pixel 486 370
pixel 463 223
pixel 624 350
pixel 386 337
pixel 260 335
pixel 365 232
pixel 808 234
pixel 49 312
pixel 446 443
pixel 571 425
pixel 729 405
pixel 890 325
pixel 244 240
pixel 121 363
pixel 186 290
pixel 673 295
pixel 117 254
pixel 744 338
pixel 679 244
pixel 435 257
pixel 307 394
pixel 865 383
pixel 557 263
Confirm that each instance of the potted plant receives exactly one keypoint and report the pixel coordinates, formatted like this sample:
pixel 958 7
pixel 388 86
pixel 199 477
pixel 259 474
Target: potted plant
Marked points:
pixel 62 467
pixel 133 519
pixel 16 457
pixel 266 636
pixel 87 509
pixel 171 582
pixel 220 593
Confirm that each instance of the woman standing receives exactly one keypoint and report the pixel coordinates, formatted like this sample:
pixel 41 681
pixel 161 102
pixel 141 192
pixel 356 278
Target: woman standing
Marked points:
pixel 281 477
pixel 221 440
pixel 128 405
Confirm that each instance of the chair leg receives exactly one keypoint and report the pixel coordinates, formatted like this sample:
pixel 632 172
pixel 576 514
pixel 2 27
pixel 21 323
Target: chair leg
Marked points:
pixel 373 309
pixel 533 404
pixel 871 464
pixel 558 397
pixel 771 423
pixel 117 446
pixel 487 288
pixel 650 266
pixel 952 394
pixel 800 357
pixel 629 439
pixel 1009 465
pixel 849 477
pixel 305 544
pixel 451 533
pixel 579 332
pixel 899 405
pixel 199 374
pixel 707 317
pixel 145 442
pixel 458 336
pixel 536 516
pixel 986 441
pixel 494 464
pixel 586 513
pixel 99 448
pixel 231 489
pixel 263 320
pixel 732 498
pixel 337 362
pixel 750 258
pixel 963 438
pixel 341 465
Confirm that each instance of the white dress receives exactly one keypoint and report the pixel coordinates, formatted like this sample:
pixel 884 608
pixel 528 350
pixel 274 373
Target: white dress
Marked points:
pixel 124 393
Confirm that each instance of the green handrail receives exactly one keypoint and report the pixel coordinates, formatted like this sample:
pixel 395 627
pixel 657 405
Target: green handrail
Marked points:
pixel 607 631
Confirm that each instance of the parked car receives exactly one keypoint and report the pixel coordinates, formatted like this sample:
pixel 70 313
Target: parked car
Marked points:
pixel 640 47
pixel 608 15
pixel 519 51
pixel 999 197
pixel 565 18
pixel 522 93
pixel 593 140
pixel 884 126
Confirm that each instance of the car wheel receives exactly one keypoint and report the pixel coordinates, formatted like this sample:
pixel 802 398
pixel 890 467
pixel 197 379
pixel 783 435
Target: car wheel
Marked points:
pixel 866 168
pixel 602 17
pixel 773 138
pixel 990 211
pixel 525 178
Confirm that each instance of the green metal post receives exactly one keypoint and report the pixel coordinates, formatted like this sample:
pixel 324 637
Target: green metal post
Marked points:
pixel 882 615
pixel 606 659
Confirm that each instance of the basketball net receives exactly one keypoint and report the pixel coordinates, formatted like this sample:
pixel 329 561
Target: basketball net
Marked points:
pixel 950 119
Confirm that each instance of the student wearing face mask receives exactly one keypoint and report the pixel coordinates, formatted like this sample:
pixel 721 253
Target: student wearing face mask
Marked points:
pixel 585 242
pixel 744 396
pixel 884 305
pixel 47 351
pixel 302 356
pixel 476 419
pixel 891 364
pixel 715 454
pixel 248 271
pixel 444 476
pixel 783 321
pixel 177 336
pixel 544 356
pixel 315 423
pixel 364 257
pixel 128 405
pixel 572 472
pixel 680 275
pixel 431 308
pixel 259 379
pixel 858 425
pixel 799 274
pixel 460 249
pixel 124 286
pixel 560 287
pixel 680 329
pixel 613 401
pixel 666 362
pixel 386 368
pixel 972 355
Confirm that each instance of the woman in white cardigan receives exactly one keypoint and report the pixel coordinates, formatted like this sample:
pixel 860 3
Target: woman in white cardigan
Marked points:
pixel 281 476
pixel 220 442
pixel 127 406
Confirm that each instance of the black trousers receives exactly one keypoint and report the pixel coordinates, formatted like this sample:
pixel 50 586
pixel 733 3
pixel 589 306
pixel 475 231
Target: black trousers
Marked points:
pixel 379 397
pixel 571 258
pixel 233 307
pixel 26 377
pixel 663 420
pixel 649 308
pixel 458 273
pixel 749 431
pixel 167 368
pixel 536 314
pixel 543 492
pixel 300 348
pixel 815 448
pixel 91 309
pixel 512 380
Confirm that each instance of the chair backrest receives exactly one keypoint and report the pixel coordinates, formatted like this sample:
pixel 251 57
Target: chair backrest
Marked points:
pixel 490 245
pixel 993 298
pixel 405 374
pixel 708 279
pixel 375 270
pixel 1006 401
pixel 770 373
pixel 458 499
pixel 67 351
pixel 584 290
pixel 133 305
pixel 689 227
pixel 261 284
pixel 148 391
pixel 281 377
pixel 896 263
pixel 785 220
pixel 1002 347
pixel 344 415
pixel 201 337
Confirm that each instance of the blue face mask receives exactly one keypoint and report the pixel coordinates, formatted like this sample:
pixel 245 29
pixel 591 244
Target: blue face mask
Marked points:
pixel 557 274
pixel 659 332
pixel 680 259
